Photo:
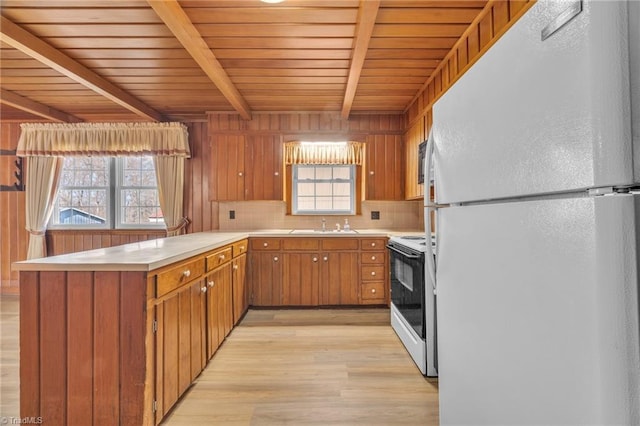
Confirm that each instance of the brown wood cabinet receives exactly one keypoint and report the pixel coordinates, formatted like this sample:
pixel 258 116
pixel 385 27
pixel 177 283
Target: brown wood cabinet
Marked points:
pixel 384 168
pixel 312 271
pixel 219 306
pixel 247 167
pixel 179 343
pixel 373 288
pixel 227 181
pixel 301 278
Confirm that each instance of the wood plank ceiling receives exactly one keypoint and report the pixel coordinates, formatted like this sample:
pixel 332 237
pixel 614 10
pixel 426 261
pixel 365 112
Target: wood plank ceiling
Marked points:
pixel 91 60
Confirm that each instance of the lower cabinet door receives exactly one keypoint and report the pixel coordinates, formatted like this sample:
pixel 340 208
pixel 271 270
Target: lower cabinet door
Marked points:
pixel 179 344
pixel 219 307
pixel 266 278
pixel 239 284
pixel 300 279
pixel 339 281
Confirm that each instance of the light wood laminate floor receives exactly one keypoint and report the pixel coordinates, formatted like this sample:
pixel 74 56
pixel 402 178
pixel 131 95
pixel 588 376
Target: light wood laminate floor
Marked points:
pixel 286 367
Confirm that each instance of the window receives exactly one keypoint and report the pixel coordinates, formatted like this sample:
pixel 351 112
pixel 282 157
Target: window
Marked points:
pixel 323 189
pixel 107 193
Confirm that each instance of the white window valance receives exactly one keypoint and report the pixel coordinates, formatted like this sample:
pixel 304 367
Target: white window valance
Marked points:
pixel 323 153
pixel 103 139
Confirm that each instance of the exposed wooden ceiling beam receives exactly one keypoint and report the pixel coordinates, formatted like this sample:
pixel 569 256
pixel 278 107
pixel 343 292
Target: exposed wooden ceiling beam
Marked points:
pixel 183 29
pixel 19 38
pixel 36 108
pixel 366 21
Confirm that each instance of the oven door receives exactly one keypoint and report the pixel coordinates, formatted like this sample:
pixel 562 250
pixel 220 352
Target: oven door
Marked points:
pixel 407 285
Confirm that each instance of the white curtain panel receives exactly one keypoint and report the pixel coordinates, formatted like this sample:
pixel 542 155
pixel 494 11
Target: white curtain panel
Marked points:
pixel 43 174
pixel 170 176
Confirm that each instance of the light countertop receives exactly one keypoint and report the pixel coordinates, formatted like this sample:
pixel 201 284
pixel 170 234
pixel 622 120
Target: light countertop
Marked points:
pixel 154 254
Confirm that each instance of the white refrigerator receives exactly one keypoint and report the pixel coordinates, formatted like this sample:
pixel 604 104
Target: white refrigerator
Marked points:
pixel 536 154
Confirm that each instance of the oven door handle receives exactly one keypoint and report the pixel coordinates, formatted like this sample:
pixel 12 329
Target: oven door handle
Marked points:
pixel 405 254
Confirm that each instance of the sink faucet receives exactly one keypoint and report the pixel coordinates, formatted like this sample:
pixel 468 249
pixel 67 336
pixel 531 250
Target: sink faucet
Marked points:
pixel 324 224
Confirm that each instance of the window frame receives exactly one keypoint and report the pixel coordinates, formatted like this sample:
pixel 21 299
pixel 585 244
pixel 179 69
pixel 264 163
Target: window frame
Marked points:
pixel 113 221
pixel 353 193
pixel 117 204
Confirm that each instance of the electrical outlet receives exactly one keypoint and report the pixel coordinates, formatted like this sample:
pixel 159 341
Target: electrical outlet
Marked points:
pixel 375 215
pixel 232 214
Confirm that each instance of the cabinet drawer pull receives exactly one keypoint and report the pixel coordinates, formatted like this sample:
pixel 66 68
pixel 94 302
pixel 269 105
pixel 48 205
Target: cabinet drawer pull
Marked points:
pixel 373 273
pixel 373 258
pixel 203 289
pixel 211 283
pixel 241 248
pixel 240 174
pixel 373 290
pixel 373 244
pixel 315 259
pixel 265 245
pixel 186 273
pixel 235 267
pixel 325 258
pixel 221 257
pixel 275 258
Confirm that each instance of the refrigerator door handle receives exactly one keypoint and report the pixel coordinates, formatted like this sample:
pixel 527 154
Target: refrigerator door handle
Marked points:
pixel 430 264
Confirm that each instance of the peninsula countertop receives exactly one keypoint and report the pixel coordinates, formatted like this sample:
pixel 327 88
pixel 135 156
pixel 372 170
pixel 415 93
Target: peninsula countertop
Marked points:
pixel 153 254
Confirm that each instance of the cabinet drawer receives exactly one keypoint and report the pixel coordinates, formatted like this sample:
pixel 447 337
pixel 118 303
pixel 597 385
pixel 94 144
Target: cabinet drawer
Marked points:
pixel 261 244
pixel 177 276
pixel 240 247
pixel 372 258
pixel 339 243
pixel 373 243
pixel 218 258
pixel 301 244
pixel 373 290
pixel 372 272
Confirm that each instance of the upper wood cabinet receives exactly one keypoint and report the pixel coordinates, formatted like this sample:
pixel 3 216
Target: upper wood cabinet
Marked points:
pixel 245 167
pixel 263 177
pixel 227 179
pixel 384 171
pixel 413 138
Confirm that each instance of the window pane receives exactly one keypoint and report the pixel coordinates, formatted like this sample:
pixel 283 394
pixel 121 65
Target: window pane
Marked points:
pixel 341 203
pixel 324 203
pixel 342 189
pixel 306 173
pixel 146 163
pixel 130 215
pixel 306 189
pixel 99 178
pixel 131 163
pixel 323 189
pixel 148 197
pixel 343 172
pixel 323 173
pixel 306 203
pixel 148 178
pixel 131 178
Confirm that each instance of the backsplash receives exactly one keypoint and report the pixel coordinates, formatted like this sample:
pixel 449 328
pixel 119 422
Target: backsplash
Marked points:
pixel 394 215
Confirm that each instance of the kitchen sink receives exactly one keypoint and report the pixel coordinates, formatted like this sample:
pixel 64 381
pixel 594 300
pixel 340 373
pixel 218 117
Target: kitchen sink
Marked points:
pixel 320 231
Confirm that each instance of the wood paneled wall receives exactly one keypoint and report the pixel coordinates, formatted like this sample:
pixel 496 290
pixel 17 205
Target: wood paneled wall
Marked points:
pixel 294 126
pixel 494 20
pixel 13 236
